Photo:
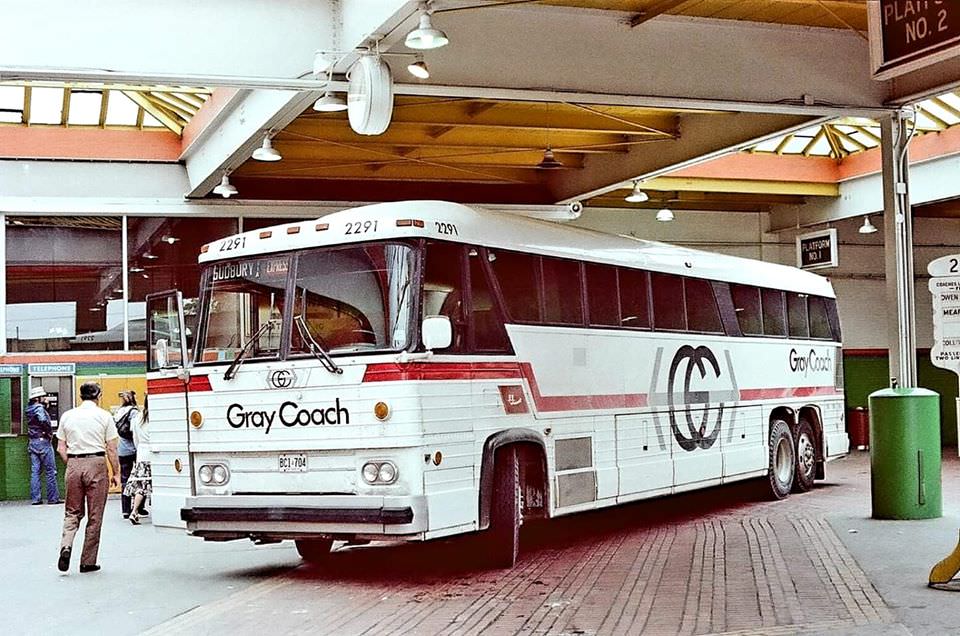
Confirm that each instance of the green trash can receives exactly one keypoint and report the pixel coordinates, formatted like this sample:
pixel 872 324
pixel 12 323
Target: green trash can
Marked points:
pixel 905 454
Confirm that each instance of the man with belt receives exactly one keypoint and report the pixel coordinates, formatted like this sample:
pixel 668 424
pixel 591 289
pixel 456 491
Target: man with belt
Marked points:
pixel 86 434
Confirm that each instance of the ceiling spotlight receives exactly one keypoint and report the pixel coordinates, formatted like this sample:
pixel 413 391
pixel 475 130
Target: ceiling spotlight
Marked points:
pixel 867 227
pixel 225 189
pixel 330 103
pixel 170 240
pixel 136 269
pixel 95 308
pixel 665 215
pixel 150 256
pixel 266 151
pixel 637 195
pixel 549 161
pixel 425 36
pixel 145 275
pixel 418 68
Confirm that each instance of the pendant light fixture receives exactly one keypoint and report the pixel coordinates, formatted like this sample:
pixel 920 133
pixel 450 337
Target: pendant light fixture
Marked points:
pixel 425 36
pixel 225 189
pixel 418 68
pixel 330 102
pixel 665 215
pixel 867 227
pixel 549 161
pixel 266 152
pixel 637 195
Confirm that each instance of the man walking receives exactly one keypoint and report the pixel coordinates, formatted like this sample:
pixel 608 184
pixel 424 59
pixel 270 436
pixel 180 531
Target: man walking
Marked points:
pixel 86 434
pixel 40 446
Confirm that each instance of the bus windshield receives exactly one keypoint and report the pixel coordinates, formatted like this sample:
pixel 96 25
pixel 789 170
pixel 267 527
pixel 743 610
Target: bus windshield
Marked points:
pixel 345 299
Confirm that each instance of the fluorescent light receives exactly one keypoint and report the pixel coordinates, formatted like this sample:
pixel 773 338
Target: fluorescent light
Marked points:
pixel 418 68
pixel 150 256
pixel 266 151
pixel 225 189
pixel 136 269
pixel 169 240
pixel 637 195
pixel 330 103
pixel 665 215
pixel 867 227
pixel 425 36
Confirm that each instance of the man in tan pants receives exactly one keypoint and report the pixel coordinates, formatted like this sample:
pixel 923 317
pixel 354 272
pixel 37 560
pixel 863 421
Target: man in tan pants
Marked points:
pixel 87 433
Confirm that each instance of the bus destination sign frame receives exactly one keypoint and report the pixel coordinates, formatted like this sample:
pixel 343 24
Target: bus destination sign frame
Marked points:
pixel 906 35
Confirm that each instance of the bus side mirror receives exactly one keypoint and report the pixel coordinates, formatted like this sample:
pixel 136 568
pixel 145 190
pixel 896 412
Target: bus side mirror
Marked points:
pixel 437 332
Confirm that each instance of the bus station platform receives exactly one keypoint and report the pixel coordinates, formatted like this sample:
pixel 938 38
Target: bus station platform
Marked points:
pixel 720 561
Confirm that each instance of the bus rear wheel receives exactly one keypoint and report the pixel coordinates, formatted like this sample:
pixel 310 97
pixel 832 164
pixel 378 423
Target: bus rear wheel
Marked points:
pixel 503 536
pixel 781 459
pixel 314 550
pixel 806 458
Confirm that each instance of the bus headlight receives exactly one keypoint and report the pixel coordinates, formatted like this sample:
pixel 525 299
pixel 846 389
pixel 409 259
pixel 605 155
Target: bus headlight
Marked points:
pixel 379 473
pixel 213 474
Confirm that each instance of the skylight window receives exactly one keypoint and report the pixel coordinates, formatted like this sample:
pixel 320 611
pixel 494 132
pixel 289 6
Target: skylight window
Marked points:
pixel 46 105
pixel 121 111
pixel 85 108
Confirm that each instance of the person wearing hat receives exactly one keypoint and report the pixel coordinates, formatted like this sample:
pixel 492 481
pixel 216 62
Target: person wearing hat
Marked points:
pixel 87 433
pixel 127 419
pixel 40 447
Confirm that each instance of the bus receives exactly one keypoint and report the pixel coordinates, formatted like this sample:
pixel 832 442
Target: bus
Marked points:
pixel 423 369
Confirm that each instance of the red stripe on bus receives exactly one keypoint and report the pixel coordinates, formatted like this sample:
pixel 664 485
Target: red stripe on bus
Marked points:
pixel 770 394
pixel 579 402
pixel 175 385
pixel 441 371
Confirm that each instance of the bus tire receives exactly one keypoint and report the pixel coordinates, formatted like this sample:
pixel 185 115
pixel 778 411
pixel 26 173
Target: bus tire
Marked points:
pixel 781 459
pixel 503 536
pixel 314 551
pixel 806 453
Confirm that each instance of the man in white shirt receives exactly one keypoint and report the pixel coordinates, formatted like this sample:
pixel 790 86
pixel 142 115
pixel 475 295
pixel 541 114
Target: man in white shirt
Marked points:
pixel 87 433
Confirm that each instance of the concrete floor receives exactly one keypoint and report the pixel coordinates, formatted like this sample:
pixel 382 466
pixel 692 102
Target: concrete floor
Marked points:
pixel 721 561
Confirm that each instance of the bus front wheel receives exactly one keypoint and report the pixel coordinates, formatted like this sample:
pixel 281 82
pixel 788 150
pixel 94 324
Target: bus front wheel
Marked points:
pixel 781 456
pixel 505 518
pixel 314 550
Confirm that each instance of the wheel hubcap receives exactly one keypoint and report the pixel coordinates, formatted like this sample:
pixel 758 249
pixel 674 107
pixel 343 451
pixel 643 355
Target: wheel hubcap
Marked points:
pixel 806 457
pixel 783 464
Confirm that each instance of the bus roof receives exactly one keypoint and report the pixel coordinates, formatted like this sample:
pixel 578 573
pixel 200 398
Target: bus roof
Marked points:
pixel 443 220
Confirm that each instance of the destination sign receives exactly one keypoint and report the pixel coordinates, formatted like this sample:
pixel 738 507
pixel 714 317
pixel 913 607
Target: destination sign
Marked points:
pixel 909 34
pixel 262 269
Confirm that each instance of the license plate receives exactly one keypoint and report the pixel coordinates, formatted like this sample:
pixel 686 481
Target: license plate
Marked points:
pixel 293 463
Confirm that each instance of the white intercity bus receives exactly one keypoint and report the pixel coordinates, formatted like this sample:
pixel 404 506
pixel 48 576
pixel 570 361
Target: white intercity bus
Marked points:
pixel 423 369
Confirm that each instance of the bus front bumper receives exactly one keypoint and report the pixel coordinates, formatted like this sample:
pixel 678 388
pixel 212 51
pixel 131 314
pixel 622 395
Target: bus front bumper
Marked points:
pixel 292 516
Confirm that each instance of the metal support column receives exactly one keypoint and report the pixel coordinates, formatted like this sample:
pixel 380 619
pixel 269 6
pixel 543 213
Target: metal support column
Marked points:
pixel 896 130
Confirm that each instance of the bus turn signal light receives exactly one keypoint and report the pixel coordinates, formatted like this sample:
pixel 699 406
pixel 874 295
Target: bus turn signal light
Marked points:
pixel 381 410
pixel 196 420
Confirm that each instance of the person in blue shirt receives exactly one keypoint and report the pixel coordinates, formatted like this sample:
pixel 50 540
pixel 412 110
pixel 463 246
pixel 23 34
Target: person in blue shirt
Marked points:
pixel 42 458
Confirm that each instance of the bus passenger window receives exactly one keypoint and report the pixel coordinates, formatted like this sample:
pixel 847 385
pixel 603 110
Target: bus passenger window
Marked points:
pixel 562 295
pixel 746 302
pixel 819 322
pixel 668 311
pixel 489 334
pixel 797 315
pixel 774 321
pixel 443 288
pixel 602 297
pixel 517 275
pixel 703 315
pixel 634 300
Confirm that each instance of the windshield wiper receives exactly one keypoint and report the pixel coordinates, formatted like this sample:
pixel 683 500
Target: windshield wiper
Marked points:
pixel 241 355
pixel 318 351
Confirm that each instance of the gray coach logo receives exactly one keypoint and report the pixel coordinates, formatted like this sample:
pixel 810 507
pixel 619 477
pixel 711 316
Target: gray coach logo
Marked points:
pixel 282 378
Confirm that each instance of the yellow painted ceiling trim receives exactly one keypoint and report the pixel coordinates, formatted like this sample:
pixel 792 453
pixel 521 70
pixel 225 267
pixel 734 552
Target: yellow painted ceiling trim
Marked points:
pixel 744 186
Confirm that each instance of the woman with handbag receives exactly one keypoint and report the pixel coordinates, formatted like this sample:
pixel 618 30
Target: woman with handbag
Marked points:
pixel 125 418
pixel 140 484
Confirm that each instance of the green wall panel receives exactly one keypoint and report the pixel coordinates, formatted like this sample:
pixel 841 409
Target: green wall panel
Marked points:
pixel 15 469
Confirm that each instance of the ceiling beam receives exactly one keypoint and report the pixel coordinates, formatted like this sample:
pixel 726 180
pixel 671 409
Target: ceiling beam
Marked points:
pixel 657 8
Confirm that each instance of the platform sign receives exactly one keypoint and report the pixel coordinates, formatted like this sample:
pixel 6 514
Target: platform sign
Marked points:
pixel 817 249
pixel 945 289
pixel 906 35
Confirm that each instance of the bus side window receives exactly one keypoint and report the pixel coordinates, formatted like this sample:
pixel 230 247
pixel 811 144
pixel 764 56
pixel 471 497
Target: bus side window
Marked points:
pixel 819 322
pixel 443 288
pixel 602 297
pixel 668 309
pixel 746 302
pixel 833 317
pixel 774 316
pixel 517 275
pixel 702 312
pixel 797 315
pixel 489 334
pixel 562 294
pixel 634 299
